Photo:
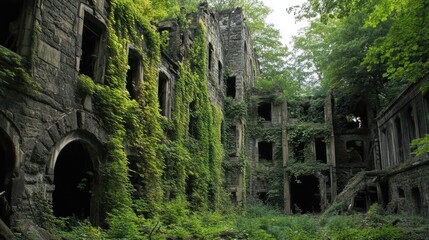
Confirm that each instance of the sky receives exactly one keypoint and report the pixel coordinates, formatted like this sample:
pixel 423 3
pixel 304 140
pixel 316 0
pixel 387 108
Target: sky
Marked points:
pixel 282 20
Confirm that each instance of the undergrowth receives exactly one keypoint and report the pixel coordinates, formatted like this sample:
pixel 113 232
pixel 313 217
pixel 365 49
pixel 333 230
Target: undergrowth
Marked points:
pixel 258 221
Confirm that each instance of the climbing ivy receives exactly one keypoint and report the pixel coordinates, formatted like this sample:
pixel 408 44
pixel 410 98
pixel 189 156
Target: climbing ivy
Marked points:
pixel 196 132
pixel 185 163
pixel 14 72
pixel 301 159
pixel 132 122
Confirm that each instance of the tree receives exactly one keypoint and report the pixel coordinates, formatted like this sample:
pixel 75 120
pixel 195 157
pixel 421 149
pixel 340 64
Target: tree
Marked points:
pixel 403 50
pixel 399 54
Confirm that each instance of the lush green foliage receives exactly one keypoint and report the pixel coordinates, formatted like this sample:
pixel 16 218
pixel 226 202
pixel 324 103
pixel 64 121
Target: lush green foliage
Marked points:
pixel 388 48
pixel 175 168
pixel 258 221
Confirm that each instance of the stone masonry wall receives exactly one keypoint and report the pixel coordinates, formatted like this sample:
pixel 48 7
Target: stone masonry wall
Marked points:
pixel 41 120
pixel 410 202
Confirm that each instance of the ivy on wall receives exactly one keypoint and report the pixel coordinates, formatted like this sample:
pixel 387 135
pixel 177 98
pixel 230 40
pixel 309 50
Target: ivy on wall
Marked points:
pixel 186 163
pixel 14 72
pixel 301 157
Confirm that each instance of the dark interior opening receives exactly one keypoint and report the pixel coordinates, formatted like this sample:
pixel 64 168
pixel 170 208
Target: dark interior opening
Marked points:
pixel 211 49
pixel 134 176
pixel 233 197
pixel 355 151
pixel 305 194
pixel 360 202
pixel 265 151
pixel 162 93
pixel 417 199
pixel 230 87
pixel 219 72
pixel 399 139
pixel 401 192
pixel 298 152
pixel 192 127
pixel 10 18
pixel 263 197
pixel 133 73
pixel 384 185
pixel 264 111
pixel 189 189
pixel 73 179
pixel 7 162
pixel 321 150
pixel 91 37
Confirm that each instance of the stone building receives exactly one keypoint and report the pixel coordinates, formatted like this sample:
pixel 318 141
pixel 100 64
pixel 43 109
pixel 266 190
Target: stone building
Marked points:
pixel 404 184
pixel 42 130
pixel 51 137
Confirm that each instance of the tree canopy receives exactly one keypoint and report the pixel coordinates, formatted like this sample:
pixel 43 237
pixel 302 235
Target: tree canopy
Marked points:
pixel 402 49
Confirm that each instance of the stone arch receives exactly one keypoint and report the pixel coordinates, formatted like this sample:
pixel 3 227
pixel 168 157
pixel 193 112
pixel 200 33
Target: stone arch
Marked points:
pixel 74 165
pixel 10 158
pixel 76 135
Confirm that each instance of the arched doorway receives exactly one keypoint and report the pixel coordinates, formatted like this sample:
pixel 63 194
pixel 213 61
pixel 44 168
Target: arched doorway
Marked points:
pixel 74 181
pixel 7 163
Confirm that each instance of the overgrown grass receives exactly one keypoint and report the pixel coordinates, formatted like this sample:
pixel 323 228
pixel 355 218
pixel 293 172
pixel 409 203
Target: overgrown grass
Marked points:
pixel 258 221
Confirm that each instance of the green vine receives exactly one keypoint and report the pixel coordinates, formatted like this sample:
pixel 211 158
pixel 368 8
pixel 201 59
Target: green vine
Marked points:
pixel 301 158
pixel 14 72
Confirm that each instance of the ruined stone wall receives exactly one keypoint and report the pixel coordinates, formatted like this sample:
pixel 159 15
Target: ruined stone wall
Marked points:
pixel 409 191
pixel 42 122
pixel 401 122
pixel 398 124
pixel 239 56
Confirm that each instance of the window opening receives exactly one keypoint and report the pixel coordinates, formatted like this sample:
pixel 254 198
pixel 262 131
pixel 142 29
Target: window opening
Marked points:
pixel 231 87
pixel 264 111
pixel 415 193
pixel 10 17
pixel 163 94
pixel 265 151
pixel 233 197
pixel 320 150
pixel 73 179
pixel 91 40
pixel 134 73
pixel 211 49
pixel 353 121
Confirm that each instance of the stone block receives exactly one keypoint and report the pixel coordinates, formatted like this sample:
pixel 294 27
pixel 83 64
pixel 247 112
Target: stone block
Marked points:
pixel 49 54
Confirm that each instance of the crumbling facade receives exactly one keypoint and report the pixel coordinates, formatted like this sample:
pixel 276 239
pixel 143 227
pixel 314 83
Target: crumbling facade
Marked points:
pixel 404 186
pixel 51 137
